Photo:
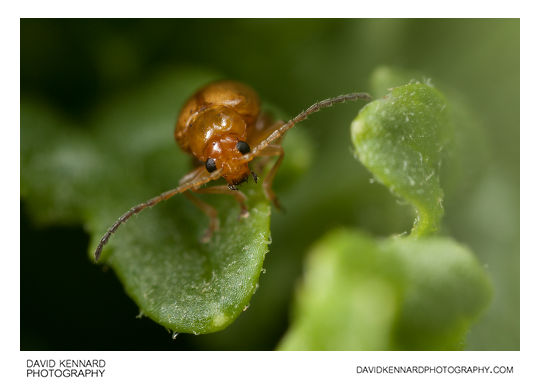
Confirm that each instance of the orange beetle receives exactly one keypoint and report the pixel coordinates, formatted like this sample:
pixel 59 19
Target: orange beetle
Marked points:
pixel 215 124
pixel 222 127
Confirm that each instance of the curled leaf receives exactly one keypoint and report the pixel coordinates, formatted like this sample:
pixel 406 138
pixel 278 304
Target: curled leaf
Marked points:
pixel 400 138
pixel 466 154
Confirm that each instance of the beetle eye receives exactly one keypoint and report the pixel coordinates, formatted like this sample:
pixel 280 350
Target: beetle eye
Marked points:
pixel 210 165
pixel 243 147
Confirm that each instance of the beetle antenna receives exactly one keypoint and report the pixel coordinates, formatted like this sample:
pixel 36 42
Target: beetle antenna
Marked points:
pixel 303 116
pixel 191 181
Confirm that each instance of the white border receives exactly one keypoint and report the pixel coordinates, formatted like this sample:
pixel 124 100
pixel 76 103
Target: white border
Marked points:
pixel 265 367
pixel 273 9
pixel 272 367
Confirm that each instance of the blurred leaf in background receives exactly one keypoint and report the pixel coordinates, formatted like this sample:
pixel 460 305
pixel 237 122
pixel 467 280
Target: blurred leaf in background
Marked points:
pixel 392 294
pixel 80 67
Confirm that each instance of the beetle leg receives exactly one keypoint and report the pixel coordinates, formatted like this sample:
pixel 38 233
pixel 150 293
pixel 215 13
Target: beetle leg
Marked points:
pixel 272 150
pixel 209 211
pixel 224 189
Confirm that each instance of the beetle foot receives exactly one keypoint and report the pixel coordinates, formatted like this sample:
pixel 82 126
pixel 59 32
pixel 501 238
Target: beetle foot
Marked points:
pixel 244 213
pixel 213 227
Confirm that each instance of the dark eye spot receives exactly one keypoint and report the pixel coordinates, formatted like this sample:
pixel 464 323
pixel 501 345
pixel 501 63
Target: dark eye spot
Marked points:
pixel 243 147
pixel 210 165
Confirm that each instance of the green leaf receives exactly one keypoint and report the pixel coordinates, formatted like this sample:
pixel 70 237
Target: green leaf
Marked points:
pixel 392 294
pixel 400 139
pixel 466 154
pixel 92 176
pixel 183 284
pixel 384 79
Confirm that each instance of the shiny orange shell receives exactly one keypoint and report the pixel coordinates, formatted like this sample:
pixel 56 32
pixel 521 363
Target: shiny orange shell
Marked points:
pixel 222 108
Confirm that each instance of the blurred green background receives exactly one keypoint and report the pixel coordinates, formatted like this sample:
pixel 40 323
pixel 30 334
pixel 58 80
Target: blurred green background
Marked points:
pixel 75 67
